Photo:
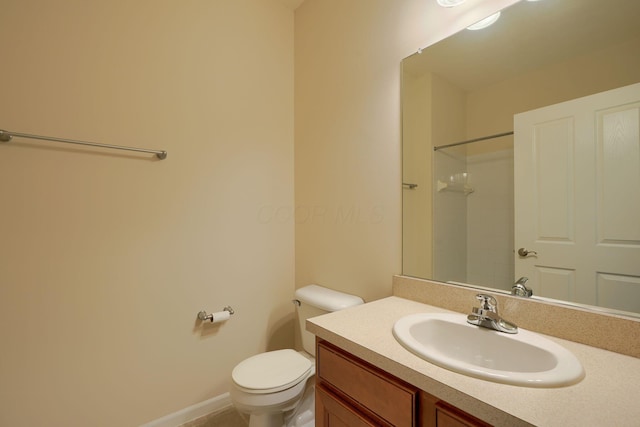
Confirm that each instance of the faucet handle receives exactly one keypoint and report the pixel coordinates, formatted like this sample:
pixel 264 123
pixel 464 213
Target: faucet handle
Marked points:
pixel 487 302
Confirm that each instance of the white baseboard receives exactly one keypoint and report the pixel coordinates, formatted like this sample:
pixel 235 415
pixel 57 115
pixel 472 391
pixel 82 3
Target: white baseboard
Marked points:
pixel 190 413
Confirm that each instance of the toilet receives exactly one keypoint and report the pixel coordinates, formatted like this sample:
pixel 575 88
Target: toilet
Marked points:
pixel 276 388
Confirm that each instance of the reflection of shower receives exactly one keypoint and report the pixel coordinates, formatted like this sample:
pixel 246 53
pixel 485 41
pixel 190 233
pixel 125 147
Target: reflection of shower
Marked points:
pixel 469 141
pixel 458 182
pixel 472 202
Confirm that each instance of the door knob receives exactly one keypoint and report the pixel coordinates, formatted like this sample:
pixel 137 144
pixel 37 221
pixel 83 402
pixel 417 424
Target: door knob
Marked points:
pixel 523 252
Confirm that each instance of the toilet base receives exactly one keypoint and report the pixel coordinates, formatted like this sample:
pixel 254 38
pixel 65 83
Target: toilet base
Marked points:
pixel 305 412
pixel 267 420
pixel 301 415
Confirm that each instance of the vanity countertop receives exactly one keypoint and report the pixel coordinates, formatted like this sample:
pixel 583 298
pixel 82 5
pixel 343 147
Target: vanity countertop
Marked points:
pixel 606 396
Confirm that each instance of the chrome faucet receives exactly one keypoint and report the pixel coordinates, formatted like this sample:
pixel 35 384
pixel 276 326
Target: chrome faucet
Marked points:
pixel 520 289
pixel 487 316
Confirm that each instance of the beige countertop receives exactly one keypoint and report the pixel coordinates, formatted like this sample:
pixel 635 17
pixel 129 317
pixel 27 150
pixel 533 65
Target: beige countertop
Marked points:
pixel 607 396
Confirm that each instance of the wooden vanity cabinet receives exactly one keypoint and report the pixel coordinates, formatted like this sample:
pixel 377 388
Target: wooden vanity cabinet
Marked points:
pixel 353 393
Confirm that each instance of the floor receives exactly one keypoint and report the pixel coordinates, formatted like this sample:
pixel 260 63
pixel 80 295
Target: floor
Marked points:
pixel 229 417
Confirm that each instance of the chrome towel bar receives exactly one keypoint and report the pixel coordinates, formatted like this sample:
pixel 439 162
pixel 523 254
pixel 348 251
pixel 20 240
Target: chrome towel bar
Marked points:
pixel 5 136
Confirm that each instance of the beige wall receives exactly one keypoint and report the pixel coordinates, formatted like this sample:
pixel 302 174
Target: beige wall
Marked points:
pixel 106 257
pixel 348 133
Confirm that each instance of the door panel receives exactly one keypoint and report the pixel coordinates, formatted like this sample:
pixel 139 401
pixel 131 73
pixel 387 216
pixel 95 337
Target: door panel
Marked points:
pixel 556 283
pixel 618 164
pixel 619 291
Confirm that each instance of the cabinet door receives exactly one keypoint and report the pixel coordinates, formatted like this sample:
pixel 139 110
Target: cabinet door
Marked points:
pixel 437 413
pixel 333 412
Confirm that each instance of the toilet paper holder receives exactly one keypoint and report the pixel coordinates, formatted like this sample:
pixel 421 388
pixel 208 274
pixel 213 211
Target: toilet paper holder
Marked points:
pixel 202 315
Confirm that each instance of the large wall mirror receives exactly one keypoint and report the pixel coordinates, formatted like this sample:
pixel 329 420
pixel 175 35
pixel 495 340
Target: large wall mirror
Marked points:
pixel 521 154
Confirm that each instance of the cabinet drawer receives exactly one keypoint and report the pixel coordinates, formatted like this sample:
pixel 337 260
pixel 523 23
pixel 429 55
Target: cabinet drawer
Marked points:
pixel 365 386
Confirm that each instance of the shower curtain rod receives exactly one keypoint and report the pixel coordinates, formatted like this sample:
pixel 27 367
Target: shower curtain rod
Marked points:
pixel 6 136
pixel 469 141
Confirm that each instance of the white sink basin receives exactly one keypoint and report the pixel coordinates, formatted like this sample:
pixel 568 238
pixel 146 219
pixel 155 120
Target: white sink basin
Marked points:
pixel 524 359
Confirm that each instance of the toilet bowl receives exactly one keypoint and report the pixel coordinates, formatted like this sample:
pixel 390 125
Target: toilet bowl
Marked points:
pixel 276 388
pixel 269 386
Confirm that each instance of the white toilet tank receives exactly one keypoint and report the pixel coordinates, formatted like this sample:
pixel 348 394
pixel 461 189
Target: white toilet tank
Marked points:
pixel 316 300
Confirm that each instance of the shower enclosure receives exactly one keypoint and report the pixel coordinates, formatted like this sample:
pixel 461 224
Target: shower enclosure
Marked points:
pixel 473 212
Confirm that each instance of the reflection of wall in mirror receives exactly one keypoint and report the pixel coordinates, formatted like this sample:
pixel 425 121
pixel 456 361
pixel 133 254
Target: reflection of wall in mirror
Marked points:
pixel 433 112
pixel 450 208
pixel 491 109
pixel 417 234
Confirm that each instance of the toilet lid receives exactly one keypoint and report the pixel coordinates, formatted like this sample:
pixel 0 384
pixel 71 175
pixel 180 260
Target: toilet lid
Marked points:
pixel 271 371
